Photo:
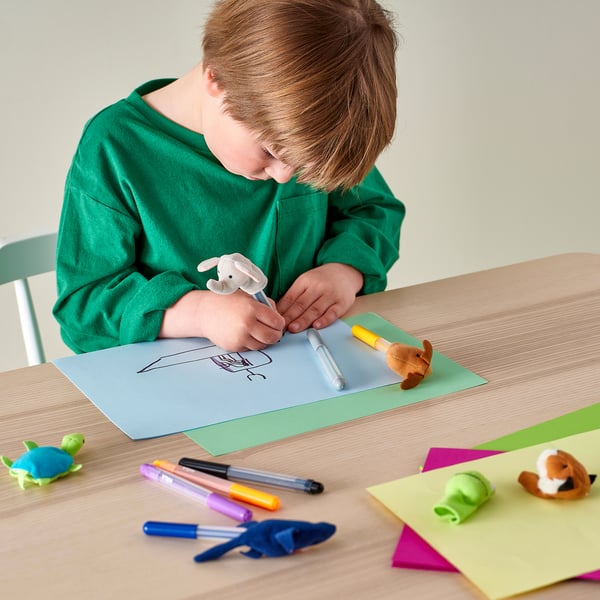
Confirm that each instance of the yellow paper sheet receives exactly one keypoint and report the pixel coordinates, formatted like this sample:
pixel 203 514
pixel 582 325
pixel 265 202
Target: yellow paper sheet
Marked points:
pixel 515 542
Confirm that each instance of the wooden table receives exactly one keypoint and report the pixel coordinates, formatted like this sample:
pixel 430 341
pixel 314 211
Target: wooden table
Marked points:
pixel 531 329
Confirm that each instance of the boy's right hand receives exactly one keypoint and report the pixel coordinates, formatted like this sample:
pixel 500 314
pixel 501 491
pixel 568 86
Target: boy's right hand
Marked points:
pixel 234 322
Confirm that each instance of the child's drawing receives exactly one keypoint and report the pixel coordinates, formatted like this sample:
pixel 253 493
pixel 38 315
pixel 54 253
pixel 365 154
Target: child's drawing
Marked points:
pixel 232 362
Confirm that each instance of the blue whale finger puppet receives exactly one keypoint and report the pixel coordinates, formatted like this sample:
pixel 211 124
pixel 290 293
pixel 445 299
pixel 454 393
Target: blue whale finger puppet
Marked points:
pixel 272 537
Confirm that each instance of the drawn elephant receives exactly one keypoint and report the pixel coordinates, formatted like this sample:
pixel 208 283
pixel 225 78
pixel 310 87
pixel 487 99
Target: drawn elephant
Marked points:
pixel 235 271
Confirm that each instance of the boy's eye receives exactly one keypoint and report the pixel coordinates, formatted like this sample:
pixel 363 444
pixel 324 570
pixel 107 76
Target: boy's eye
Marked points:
pixel 267 153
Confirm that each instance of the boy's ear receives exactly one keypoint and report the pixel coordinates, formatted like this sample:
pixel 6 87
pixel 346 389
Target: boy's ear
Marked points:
pixel 211 82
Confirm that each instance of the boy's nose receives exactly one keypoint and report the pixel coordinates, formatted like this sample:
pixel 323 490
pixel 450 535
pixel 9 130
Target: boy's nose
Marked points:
pixel 279 171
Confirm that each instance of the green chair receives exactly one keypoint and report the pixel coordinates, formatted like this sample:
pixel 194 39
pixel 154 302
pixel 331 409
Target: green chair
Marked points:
pixel 20 258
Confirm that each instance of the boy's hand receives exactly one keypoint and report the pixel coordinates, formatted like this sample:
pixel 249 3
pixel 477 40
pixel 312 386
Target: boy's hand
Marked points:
pixel 320 296
pixel 235 322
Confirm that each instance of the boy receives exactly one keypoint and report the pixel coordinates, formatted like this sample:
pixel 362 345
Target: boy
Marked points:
pixel 265 148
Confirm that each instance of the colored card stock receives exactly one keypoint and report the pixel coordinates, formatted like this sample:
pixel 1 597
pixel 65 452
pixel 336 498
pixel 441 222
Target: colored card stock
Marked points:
pixel 578 421
pixel 157 388
pixel 516 542
pixel 414 552
pixel 447 377
pixel 227 401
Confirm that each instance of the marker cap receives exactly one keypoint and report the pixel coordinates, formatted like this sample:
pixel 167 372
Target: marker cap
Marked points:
pixel 181 530
pixel 226 507
pixel 256 497
pixel 364 335
pixel 370 338
pixel 206 466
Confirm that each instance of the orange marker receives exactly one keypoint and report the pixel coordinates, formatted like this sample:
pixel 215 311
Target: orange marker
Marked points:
pixel 233 490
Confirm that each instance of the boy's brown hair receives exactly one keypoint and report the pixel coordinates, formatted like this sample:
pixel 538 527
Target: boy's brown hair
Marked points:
pixel 315 79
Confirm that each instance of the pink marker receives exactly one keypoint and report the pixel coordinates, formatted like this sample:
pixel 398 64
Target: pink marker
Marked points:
pixel 210 499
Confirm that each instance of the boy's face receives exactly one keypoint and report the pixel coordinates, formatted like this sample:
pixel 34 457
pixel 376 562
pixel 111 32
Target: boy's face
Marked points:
pixel 235 146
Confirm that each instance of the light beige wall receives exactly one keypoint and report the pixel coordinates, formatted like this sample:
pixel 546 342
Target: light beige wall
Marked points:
pixel 495 152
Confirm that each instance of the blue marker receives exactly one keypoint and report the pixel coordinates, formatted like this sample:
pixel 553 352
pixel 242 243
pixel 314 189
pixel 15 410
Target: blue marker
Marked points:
pixel 185 530
pixel 262 297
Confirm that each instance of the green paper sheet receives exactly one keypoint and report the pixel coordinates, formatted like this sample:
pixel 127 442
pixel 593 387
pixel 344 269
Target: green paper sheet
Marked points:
pixel 578 421
pixel 447 377
pixel 515 542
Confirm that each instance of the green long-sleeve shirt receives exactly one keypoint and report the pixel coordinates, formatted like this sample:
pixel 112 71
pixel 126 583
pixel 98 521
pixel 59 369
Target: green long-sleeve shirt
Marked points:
pixel 146 201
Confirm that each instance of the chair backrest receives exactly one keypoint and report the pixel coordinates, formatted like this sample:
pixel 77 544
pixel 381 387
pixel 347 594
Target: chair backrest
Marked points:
pixel 20 258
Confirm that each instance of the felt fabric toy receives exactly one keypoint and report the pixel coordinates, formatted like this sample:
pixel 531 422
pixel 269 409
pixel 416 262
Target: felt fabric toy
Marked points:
pixel 235 272
pixel 411 363
pixel 464 494
pixel 273 537
pixel 43 465
pixel 560 476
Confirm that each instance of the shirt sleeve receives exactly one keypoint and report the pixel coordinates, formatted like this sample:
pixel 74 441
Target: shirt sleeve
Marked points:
pixel 104 300
pixel 364 230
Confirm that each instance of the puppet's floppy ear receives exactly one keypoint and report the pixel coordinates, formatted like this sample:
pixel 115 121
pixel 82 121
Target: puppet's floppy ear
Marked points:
pixel 209 263
pixel 411 380
pixel 428 348
pixel 248 270
pixel 251 271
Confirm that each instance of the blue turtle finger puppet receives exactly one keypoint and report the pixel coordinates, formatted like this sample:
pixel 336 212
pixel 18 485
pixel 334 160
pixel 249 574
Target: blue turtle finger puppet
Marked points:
pixel 272 537
pixel 41 465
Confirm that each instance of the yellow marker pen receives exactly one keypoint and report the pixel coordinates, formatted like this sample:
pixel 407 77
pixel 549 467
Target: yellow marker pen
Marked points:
pixel 370 338
pixel 233 490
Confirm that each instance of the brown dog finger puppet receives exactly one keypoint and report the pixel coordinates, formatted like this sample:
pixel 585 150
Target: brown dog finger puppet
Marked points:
pixel 411 363
pixel 560 476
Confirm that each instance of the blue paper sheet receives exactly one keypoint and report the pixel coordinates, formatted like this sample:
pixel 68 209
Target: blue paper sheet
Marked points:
pixel 167 386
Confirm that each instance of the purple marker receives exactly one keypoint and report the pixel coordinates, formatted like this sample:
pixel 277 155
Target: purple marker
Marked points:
pixel 210 499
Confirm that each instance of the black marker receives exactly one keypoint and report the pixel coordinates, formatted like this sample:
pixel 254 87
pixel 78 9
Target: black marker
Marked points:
pixel 241 473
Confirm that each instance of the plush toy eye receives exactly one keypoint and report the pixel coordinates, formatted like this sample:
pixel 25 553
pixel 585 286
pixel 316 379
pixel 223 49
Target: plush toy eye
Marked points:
pixel 418 355
pixel 230 276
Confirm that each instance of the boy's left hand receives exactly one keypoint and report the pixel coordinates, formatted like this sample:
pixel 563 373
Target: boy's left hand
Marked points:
pixel 320 296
